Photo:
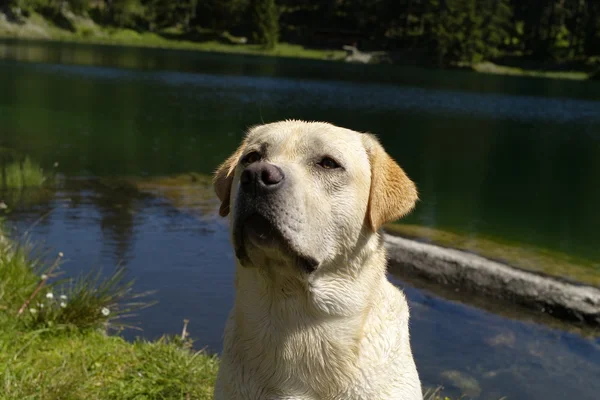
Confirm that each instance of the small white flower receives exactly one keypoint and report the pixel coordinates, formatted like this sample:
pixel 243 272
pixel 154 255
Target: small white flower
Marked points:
pixel 40 305
pixel 32 310
pixel 61 254
pixel 3 205
pixel 105 311
pixel 56 164
pixel 63 297
pixel 44 277
pixel 63 304
pixel 49 295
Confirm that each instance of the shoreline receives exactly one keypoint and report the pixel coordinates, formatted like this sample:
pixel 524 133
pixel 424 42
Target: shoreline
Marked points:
pixel 36 28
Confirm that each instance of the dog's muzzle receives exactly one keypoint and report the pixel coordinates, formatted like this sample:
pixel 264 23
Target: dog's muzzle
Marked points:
pixel 256 215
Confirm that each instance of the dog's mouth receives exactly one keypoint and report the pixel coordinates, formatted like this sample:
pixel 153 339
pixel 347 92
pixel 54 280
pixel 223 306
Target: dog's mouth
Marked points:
pixel 257 231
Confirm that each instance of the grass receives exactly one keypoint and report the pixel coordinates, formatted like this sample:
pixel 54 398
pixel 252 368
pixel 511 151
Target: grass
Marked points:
pixel 18 175
pixel 491 68
pixel 86 31
pixel 91 365
pixel 22 180
pixel 18 171
pixel 58 347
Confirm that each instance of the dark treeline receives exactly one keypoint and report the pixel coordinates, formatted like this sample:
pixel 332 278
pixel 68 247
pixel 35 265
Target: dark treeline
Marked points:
pixel 444 32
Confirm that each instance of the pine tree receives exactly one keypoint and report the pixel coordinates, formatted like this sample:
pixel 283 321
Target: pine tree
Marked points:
pixel 123 12
pixel 457 33
pixel 497 26
pixel 265 21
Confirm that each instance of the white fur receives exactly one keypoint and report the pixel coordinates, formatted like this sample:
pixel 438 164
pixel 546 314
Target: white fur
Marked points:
pixel 340 332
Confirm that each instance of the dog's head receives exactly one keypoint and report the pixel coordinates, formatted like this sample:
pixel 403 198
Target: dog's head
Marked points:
pixel 304 194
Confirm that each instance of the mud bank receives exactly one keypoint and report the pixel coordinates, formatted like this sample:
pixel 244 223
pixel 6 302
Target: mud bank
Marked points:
pixel 409 259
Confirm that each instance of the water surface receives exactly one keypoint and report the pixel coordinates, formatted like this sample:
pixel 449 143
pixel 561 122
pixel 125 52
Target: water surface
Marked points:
pixel 516 159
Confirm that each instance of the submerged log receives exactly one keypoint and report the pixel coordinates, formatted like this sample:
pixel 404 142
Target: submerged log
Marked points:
pixel 557 297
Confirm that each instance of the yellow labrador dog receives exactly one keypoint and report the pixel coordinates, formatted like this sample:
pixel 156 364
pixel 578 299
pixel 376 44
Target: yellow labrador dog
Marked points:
pixel 315 317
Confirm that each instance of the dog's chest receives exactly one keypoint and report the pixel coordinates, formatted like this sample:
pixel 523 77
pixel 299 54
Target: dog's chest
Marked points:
pixel 306 360
pixel 285 347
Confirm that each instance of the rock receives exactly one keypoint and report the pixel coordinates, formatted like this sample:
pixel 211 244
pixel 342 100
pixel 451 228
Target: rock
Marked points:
pixel 357 56
pixel 466 383
pixel 228 37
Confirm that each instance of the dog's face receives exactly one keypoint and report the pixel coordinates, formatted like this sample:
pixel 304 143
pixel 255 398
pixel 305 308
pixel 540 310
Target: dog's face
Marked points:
pixel 304 194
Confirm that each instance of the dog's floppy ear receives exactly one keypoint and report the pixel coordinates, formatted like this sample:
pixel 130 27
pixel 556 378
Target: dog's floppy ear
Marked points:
pixel 392 194
pixel 224 178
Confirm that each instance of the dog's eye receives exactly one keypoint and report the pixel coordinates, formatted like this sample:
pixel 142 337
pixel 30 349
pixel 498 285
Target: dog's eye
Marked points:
pixel 328 163
pixel 251 157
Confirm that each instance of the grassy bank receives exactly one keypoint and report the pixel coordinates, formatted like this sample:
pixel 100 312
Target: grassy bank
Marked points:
pixel 58 348
pixel 84 30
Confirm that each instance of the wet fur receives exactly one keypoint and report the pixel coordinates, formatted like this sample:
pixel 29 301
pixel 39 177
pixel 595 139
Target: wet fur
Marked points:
pixel 340 332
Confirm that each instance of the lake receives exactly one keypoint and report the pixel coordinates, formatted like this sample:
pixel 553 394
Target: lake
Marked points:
pixel 516 160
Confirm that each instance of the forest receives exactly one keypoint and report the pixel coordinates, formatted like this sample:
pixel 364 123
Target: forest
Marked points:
pixel 434 32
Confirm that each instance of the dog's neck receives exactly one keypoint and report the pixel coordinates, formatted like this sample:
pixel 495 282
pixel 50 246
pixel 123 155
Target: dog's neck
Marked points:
pixel 321 326
pixel 339 290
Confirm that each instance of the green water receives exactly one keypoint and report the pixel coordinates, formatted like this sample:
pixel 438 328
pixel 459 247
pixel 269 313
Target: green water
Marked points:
pixel 516 159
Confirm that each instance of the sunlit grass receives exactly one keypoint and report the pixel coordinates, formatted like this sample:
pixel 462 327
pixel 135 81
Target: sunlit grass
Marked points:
pixel 148 39
pixel 22 174
pixel 88 32
pixel 50 364
pixel 22 180
pixel 58 348
pixel 490 68
pixel 32 291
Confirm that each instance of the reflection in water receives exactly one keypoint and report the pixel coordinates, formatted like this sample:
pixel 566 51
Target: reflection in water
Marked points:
pixel 516 168
pixel 118 214
pixel 167 233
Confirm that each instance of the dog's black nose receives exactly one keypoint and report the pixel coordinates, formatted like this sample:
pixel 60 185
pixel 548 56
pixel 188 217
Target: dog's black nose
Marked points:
pixel 261 176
